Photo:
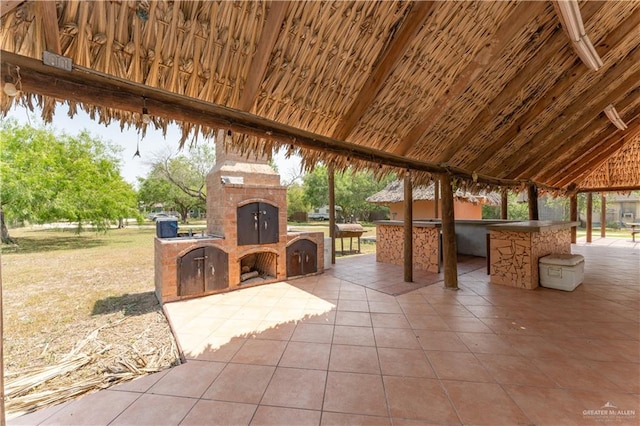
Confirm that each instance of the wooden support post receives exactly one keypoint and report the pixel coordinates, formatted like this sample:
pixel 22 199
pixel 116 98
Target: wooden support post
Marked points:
pixel 573 216
pixel 533 202
pixel 589 215
pixel 603 215
pixel 408 228
pixel 450 258
pixel 436 198
pixel 332 212
pixel 504 204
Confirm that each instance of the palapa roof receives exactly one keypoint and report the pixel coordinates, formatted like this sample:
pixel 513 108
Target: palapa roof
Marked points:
pixel 492 92
pixel 394 193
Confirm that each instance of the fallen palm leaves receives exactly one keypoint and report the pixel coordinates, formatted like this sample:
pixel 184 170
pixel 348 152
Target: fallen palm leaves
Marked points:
pixel 94 363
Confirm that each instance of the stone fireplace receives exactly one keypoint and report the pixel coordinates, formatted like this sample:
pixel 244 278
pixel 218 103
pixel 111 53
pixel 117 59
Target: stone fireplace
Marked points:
pixel 246 239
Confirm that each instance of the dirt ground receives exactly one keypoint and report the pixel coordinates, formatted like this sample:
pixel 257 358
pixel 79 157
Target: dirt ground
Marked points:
pixel 82 300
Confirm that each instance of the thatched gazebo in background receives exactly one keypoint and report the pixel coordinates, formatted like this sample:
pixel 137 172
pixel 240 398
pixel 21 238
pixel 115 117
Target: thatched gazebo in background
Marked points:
pixel 426 205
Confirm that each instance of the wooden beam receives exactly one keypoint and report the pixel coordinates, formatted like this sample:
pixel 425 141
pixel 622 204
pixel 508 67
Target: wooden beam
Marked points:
pixel 589 216
pixel 408 228
pixel 572 76
pixel 603 215
pixel 90 87
pixel 601 151
pixel 521 15
pixel 384 66
pixel 616 84
pixel 529 73
pixel 332 211
pixel 49 15
pixel 436 199
pixel 450 256
pixel 573 215
pixel 260 61
pixel 611 189
pixel 504 204
pixel 532 200
pixel 7 6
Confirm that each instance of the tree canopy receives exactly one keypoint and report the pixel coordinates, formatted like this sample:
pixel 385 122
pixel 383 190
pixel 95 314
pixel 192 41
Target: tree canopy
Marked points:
pixel 178 182
pixel 351 191
pixel 48 177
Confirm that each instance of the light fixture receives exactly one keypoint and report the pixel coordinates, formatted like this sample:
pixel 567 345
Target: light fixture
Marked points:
pixel 613 115
pixel 9 86
pixel 146 118
pixel 572 21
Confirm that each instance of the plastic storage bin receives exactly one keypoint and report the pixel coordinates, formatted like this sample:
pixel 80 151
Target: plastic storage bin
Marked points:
pixel 561 271
pixel 166 228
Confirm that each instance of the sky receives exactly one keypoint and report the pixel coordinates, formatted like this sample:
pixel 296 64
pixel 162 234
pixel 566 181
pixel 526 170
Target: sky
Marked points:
pixel 153 142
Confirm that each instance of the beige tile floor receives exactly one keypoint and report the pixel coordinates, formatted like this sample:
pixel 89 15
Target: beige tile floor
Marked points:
pixel 333 350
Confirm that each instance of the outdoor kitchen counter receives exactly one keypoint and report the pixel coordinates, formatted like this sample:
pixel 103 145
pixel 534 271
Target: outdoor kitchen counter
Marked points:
pixel 426 243
pixel 516 247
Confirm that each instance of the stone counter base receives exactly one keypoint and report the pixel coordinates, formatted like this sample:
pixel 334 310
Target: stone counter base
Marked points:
pixel 426 243
pixel 514 255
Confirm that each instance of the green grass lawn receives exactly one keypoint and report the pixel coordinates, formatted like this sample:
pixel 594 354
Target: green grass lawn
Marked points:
pixel 610 233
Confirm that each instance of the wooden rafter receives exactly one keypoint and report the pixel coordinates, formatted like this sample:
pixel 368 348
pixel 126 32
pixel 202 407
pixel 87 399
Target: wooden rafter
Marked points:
pixel 87 86
pixel 260 60
pixel 604 149
pixel 7 6
pixel 572 76
pixel 523 14
pixel 385 66
pixel 49 16
pixel 577 113
pixel 578 141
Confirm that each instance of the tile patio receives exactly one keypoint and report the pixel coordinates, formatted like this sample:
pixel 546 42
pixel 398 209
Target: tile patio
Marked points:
pixel 358 346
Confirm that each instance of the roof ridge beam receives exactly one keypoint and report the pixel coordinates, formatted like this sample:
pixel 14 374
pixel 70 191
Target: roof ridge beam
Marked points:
pixel 510 27
pixel 394 52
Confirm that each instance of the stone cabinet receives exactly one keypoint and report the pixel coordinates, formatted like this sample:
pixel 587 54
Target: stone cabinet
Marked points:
pixel 516 247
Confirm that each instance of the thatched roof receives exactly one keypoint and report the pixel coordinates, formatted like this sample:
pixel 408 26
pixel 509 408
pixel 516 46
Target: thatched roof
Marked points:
pixel 622 167
pixel 492 92
pixel 394 193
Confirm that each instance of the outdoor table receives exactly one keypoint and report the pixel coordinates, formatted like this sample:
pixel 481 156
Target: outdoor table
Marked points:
pixel 634 231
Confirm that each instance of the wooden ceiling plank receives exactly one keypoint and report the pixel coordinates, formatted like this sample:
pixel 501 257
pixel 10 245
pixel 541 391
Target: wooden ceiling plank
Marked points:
pixel 260 61
pixel 579 116
pixel 546 163
pixel 519 18
pixel 7 6
pixel 49 16
pixel 628 29
pixel 87 86
pixel 581 166
pixel 385 66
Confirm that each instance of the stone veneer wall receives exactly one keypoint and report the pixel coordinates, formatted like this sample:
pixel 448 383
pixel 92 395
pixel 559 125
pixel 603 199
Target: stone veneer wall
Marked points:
pixel 426 246
pixel 514 255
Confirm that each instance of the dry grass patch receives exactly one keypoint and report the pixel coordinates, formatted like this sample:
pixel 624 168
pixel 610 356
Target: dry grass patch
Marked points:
pixel 67 295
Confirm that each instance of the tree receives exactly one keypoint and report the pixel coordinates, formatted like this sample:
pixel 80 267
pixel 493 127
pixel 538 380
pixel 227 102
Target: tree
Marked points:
pixel 295 199
pixel 48 176
pixel 178 181
pixel 351 191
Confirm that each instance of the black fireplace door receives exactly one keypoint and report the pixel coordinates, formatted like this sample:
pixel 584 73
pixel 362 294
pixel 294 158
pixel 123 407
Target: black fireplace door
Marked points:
pixel 201 270
pixel 302 258
pixel 257 224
